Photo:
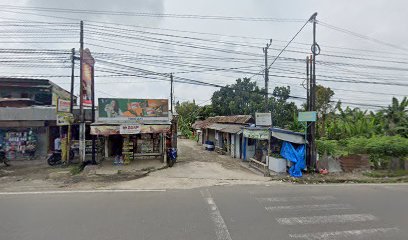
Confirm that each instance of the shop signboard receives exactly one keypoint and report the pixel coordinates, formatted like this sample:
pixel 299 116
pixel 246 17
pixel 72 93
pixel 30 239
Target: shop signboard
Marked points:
pixel 261 134
pixel 307 117
pixel 63 105
pixel 65 119
pixel 120 110
pixel 105 130
pixel 130 129
pixel 263 119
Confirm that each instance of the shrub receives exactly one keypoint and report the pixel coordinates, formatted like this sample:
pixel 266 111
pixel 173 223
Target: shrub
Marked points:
pixel 329 147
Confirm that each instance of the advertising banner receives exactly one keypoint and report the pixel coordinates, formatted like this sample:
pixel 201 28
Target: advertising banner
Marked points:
pixel 132 110
pixel 130 129
pixel 63 105
pixel 261 134
pixel 88 63
pixel 64 119
pixel 263 119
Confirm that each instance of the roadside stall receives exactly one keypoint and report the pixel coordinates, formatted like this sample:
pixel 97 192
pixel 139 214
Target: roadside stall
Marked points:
pixel 133 141
pixel 133 128
pixel 274 149
pixel 255 147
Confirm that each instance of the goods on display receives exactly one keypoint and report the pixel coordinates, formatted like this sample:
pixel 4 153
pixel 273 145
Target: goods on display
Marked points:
pixel 18 144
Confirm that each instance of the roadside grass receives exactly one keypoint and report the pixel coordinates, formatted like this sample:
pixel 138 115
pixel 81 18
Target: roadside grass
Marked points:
pixel 76 169
pixel 386 173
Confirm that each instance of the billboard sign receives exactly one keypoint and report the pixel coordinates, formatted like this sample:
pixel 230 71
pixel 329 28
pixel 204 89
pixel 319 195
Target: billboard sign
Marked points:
pixel 263 119
pixel 63 105
pixel 133 110
pixel 88 63
pixel 307 117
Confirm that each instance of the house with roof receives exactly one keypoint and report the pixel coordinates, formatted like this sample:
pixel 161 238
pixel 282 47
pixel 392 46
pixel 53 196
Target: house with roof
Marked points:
pixel 223 133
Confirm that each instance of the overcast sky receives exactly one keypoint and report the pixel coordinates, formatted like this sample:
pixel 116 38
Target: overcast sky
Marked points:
pixel 378 19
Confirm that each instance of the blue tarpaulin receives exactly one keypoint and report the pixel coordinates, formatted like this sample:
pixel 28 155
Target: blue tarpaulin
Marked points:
pixel 296 156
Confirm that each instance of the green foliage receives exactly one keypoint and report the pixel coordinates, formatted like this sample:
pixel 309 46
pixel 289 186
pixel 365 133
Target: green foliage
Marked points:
pixel 243 97
pixel 380 146
pixel 329 147
pixel 188 112
pixel 396 117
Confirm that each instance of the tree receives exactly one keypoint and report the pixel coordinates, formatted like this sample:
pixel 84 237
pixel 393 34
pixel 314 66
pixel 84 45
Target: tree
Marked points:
pixel 323 106
pixel 188 112
pixel 283 112
pixel 243 97
pixel 205 112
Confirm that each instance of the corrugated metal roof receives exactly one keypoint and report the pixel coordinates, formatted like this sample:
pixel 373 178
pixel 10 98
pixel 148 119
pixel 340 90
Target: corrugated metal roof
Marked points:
pixel 228 128
pixel 236 119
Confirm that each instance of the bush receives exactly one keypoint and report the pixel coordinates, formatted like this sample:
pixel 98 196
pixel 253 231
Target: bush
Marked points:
pixel 380 148
pixel 329 147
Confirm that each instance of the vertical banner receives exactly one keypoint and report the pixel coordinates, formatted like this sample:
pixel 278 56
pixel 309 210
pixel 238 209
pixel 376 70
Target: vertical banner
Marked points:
pixel 88 63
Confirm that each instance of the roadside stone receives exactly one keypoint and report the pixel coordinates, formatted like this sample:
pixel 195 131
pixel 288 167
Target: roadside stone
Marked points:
pixel 91 169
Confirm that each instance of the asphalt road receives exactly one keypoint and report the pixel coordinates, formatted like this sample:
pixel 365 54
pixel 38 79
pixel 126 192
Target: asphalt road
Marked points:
pixel 278 211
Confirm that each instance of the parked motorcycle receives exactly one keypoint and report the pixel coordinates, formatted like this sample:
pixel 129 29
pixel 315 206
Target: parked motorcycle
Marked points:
pixel 171 156
pixel 3 157
pixel 55 158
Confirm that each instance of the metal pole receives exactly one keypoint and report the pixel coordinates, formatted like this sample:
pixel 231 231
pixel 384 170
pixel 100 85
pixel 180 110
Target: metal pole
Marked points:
pixel 171 93
pixel 313 95
pixel 93 115
pixel 265 50
pixel 71 109
pixel 307 85
pixel 81 90
pixel 72 79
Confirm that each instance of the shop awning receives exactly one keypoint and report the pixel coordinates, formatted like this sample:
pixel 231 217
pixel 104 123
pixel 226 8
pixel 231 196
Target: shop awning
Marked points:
pixel 106 130
pixel 288 136
pixel 227 128
pixel 282 134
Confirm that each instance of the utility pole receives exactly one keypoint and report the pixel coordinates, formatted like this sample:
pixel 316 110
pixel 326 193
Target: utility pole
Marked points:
pixel 81 90
pixel 71 109
pixel 171 93
pixel 93 116
pixel 315 51
pixel 265 50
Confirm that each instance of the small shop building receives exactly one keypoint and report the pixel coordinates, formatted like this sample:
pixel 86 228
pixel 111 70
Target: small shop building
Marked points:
pixel 224 133
pixel 262 147
pixel 134 129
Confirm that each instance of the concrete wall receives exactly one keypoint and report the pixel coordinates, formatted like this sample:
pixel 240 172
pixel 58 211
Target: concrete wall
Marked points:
pixel 233 145
pixel 237 145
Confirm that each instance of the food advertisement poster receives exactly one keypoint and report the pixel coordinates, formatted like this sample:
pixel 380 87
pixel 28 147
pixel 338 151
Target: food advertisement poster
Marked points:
pixel 132 110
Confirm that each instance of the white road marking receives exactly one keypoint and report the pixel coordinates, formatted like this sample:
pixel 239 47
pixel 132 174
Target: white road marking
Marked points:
pixel 221 229
pixel 327 219
pixel 83 191
pixel 309 207
pixel 303 198
pixel 338 235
